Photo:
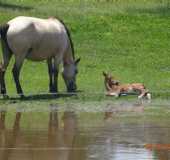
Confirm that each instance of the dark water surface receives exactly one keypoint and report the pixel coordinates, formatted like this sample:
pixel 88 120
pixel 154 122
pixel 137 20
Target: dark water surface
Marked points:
pixel 55 134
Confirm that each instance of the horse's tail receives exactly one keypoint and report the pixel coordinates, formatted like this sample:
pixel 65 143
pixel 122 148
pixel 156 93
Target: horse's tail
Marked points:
pixel 3 31
pixel 3 37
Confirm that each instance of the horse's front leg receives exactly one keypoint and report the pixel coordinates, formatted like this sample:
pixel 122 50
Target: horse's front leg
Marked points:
pixel 50 73
pixel 53 74
pixel 57 61
pixel 16 72
pixel 56 70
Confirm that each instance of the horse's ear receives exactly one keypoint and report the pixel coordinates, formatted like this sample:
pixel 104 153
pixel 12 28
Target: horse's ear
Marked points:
pixel 77 61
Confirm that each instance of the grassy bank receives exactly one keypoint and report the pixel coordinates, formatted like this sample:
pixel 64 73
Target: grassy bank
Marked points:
pixel 127 38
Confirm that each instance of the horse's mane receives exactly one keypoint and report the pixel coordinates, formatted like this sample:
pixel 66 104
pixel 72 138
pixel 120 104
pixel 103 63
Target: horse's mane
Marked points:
pixel 69 36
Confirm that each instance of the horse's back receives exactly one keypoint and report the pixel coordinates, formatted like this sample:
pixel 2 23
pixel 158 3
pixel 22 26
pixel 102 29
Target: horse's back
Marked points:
pixel 43 36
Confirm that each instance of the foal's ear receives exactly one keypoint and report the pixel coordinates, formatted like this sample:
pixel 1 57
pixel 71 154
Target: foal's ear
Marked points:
pixel 104 74
pixel 77 61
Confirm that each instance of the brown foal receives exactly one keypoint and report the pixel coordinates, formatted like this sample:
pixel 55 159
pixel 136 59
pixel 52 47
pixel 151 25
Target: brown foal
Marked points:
pixel 114 88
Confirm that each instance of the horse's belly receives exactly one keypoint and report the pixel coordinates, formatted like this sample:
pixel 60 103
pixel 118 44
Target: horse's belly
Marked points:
pixel 36 58
pixel 39 55
pixel 46 48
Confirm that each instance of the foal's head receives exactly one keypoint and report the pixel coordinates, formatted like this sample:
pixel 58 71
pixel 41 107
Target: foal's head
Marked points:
pixel 110 80
pixel 69 75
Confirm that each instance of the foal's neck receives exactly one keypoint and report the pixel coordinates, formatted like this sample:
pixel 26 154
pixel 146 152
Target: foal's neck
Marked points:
pixel 107 85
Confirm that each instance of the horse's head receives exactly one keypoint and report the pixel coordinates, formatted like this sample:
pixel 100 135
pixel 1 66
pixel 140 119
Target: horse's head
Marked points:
pixel 110 79
pixel 69 75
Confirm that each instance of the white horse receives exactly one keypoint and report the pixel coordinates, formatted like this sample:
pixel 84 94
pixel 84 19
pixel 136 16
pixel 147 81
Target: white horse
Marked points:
pixel 38 39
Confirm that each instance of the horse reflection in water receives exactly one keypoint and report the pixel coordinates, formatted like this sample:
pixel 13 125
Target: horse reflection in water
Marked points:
pixel 63 140
pixel 66 139
pixel 8 140
pixel 56 144
pixel 2 129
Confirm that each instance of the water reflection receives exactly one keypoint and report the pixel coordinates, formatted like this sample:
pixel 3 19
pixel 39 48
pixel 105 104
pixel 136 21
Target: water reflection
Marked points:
pixel 123 108
pixel 61 140
pixel 72 135
pixel 57 143
pixel 8 140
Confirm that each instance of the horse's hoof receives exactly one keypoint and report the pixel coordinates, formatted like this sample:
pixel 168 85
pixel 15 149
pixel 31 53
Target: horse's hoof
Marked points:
pixel 55 94
pixel 5 96
pixel 22 96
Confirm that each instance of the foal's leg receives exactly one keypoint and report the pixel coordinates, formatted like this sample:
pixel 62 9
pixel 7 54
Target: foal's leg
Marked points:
pixel 16 72
pixel 142 94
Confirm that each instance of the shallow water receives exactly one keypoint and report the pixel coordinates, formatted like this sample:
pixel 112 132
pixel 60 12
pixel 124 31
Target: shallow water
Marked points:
pixel 116 133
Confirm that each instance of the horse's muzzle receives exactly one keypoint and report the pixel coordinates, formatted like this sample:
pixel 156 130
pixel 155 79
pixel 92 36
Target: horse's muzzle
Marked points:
pixel 71 87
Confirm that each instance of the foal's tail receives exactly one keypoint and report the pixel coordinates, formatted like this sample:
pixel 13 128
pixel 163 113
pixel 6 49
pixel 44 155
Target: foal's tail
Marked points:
pixel 3 31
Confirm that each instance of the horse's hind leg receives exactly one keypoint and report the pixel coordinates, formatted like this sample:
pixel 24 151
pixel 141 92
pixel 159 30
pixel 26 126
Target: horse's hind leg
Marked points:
pixel 3 67
pixel 16 72
pixel 6 58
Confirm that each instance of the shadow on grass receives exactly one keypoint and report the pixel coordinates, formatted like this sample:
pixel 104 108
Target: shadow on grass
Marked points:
pixel 159 10
pixel 38 97
pixel 14 6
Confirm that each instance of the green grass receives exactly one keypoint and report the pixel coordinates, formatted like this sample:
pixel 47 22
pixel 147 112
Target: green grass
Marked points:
pixel 128 38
